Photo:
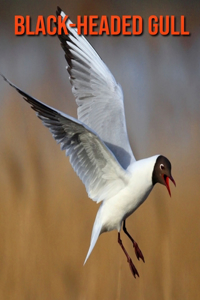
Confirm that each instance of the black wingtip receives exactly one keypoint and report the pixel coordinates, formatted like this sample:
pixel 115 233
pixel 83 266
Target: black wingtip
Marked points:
pixel 59 10
pixel 3 77
pixel 7 80
pixel 16 88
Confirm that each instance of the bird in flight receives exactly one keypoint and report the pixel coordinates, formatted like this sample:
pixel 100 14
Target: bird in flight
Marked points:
pixel 97 142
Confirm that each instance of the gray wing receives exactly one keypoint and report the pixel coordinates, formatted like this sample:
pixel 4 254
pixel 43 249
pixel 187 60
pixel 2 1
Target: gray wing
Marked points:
pixel 90 158
pixel 98 96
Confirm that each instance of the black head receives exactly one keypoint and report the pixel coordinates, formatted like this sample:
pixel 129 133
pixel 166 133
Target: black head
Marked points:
pixel 162 172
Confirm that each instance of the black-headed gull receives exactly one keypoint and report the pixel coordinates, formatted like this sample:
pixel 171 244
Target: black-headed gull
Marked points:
pixel 97 143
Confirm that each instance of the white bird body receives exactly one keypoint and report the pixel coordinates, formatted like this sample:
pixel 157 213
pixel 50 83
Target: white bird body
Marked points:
pixel 97 143
pixel 122 205
pixel 113 211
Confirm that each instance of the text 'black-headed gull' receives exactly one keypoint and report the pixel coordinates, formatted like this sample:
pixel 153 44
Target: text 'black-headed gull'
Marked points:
pixel 97 143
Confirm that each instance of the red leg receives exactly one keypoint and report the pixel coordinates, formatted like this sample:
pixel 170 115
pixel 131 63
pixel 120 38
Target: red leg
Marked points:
pixel 129 260
pixel 138 252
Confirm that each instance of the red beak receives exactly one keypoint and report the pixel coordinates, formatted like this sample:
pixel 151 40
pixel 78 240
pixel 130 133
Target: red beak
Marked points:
pixel 166 179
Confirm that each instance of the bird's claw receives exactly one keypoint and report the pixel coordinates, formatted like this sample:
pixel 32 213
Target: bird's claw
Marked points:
pixel 138 252
pixel 133 268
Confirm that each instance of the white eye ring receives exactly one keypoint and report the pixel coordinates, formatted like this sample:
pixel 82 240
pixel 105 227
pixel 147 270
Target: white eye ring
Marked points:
pixel 162 166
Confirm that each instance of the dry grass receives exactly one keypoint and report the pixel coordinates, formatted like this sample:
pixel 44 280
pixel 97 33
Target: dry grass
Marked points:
pixel 46 221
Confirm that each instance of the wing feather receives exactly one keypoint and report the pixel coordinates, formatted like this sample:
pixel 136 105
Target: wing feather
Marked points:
pixel 93 162
pixel 98 96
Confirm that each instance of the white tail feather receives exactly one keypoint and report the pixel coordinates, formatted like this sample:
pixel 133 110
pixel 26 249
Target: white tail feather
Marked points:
pixel 95 234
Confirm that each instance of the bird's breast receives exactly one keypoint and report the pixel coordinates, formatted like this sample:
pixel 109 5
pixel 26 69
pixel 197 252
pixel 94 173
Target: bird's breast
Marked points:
pixel 122 205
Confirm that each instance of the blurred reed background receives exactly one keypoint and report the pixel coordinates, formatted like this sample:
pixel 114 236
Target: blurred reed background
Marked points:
pixel 46 217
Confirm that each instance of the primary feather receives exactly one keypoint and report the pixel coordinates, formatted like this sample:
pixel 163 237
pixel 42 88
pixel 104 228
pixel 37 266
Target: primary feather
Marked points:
pixel 98 96
pixel 90 158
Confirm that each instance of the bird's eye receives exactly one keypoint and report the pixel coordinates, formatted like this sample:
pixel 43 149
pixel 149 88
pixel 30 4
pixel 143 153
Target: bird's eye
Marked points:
pixel 162 166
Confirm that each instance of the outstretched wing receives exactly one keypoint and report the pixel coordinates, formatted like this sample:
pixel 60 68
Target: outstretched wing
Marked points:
pixel 98 96
pixel 90 158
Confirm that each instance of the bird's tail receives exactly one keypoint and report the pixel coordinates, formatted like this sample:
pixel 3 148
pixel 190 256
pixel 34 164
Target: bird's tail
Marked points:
pixel 95 234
